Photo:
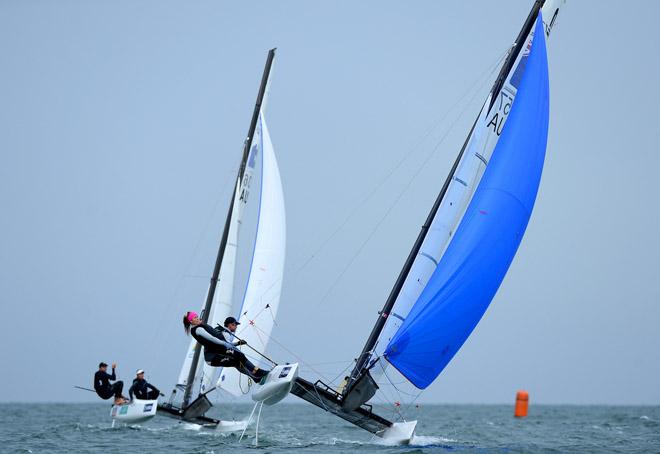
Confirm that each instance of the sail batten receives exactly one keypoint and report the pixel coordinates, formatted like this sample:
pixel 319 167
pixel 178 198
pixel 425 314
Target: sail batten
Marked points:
pixel 487 238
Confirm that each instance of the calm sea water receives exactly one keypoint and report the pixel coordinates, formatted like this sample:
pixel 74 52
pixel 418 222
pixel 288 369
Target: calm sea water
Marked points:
pixel 66 428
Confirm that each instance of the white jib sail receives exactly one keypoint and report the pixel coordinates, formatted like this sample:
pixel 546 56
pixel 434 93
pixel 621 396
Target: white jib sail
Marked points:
pixel 262 295
pixel 459 193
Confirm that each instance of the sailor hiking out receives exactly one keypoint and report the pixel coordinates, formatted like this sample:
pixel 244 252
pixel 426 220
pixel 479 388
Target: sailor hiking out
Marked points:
pixel 141 389
pixel 218 351
pixel 102 385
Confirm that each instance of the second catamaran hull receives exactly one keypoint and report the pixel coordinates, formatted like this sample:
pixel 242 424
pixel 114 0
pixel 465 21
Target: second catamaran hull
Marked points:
pixel 135 412
pixel 329 400
pixel 231 426
pixel 277 384
pixel 202 420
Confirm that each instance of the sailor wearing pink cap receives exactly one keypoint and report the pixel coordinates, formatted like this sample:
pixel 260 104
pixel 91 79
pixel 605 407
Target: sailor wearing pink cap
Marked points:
pixel 218 352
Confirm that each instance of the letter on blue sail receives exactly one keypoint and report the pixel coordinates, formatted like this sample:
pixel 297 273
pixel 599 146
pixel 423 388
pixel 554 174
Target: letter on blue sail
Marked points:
pixel 474 264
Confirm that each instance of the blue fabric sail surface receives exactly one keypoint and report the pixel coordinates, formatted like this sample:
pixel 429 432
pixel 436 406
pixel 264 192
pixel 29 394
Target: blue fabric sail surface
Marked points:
pixel 475 262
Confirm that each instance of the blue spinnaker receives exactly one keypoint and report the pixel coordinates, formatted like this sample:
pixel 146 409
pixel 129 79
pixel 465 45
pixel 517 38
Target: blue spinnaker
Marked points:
pixel 475 262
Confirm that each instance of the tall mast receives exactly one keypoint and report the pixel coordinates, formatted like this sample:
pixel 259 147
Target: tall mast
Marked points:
pixel 517 47
pixel 225 232
pixel 362 360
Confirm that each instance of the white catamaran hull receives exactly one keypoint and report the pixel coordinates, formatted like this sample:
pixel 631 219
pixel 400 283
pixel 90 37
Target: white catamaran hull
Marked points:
pixel 134 412
pixel 277 384
pixel 399 433
pixel 231 426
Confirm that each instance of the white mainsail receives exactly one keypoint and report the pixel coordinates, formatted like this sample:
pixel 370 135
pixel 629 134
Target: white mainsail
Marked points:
pixel 262 296
pixel 222 305
pixel 257 168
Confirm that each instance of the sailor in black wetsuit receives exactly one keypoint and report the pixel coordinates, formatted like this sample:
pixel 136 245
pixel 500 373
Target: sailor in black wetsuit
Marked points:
pixel 141 389
pixel 102 385
pixel 218 352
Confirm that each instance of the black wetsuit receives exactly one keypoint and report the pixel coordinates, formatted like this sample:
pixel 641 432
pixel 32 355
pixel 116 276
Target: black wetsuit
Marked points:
pixel 143 390
pixel 102 385
pixel 218 352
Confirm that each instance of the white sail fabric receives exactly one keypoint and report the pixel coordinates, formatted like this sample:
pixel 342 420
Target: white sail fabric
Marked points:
pixel 221 307
pixel 262 295
pixel 222 300
pixel 185 367
pixel 465 180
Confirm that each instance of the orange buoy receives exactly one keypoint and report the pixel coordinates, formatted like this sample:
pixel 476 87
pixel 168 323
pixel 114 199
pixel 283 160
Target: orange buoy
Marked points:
pixel 522 400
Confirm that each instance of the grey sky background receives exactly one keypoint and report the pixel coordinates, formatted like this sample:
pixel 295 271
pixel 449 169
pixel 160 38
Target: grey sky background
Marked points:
pixel 121 125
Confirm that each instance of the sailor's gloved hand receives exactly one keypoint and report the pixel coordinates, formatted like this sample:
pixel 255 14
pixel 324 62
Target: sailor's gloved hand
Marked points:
pixel 241 342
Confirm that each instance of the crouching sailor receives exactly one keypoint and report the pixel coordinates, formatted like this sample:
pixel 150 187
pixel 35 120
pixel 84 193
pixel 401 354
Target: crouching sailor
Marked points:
pixel 102 385
pixel 141 389
pixel 218 352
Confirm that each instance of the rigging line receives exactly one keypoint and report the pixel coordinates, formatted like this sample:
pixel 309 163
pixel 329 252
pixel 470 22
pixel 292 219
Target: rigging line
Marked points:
pixel 257 314
pixel 259 337
pixel 252 323
pixel 272 315
pixel 300 360
pixel 394 203
pixel 235 336
pixel 415 396
pixel 399 408
pixel 392 407
pixel 396 389
pixel 395 386
pixel 229 183
pixel 350 364
pixel 259 353
pixel 230 180
pixel 240 380
pixel 250 356
pixel 332 362
pixel 318 396
pixel 412 402
pixel 478 82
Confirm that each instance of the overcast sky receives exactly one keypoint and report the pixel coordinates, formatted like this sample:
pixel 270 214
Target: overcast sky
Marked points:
pixel 121 124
